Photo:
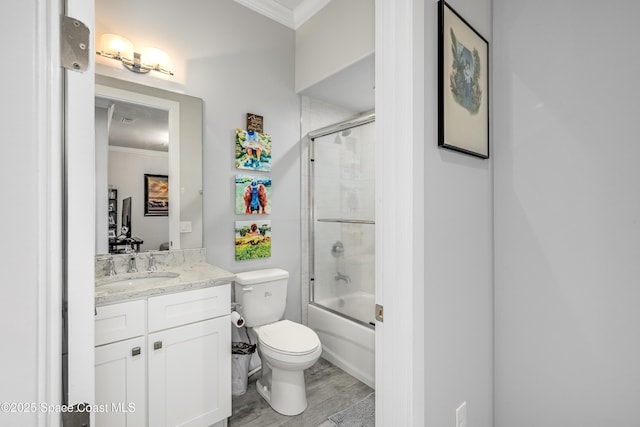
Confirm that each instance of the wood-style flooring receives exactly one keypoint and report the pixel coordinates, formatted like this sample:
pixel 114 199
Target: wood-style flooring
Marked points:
pixel 329 390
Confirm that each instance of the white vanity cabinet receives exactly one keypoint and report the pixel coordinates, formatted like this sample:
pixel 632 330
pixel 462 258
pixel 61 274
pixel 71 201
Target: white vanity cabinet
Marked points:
pixel 186 353
pixel 121 364
pixel 190 358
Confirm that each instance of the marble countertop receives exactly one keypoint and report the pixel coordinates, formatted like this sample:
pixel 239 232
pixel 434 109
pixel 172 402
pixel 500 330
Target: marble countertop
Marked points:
pixel 189 276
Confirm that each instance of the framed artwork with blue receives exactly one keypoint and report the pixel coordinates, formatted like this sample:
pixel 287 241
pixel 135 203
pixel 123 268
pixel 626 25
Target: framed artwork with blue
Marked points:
pixel 463 85
pixel 253 194
pixel 253 150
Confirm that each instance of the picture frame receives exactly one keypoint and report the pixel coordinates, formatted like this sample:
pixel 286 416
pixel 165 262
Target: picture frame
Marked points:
pixel 113 193
pixel 156 195
pixel 253 195
pixel 252 239
pixel 463 85
pixel 253 150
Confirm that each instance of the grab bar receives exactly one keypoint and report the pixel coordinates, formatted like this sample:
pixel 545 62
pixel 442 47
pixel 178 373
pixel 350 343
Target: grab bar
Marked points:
pixel 347 221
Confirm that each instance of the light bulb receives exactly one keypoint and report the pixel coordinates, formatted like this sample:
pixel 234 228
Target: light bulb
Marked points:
pixel 114 45
pixel 154 58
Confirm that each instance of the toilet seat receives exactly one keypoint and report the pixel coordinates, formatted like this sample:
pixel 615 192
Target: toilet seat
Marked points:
pixel 288 338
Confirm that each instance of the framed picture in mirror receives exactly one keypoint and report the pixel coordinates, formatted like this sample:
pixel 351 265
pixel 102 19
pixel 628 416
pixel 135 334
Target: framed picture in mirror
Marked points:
pixel 156 195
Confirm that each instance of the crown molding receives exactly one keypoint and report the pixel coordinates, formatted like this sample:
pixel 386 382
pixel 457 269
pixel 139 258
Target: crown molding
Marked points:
pixel 306 10
pixel 270 9
pixel 290 18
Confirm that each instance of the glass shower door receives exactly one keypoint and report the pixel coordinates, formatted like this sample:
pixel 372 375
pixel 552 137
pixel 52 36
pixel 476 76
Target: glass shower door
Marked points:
pixel 343 200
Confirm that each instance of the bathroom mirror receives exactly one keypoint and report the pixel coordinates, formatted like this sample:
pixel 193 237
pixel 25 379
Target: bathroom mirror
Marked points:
pixel 170 145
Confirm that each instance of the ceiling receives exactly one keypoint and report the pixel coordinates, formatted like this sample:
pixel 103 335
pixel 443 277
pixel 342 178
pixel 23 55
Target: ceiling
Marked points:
pixel 137 126
pixel 351 88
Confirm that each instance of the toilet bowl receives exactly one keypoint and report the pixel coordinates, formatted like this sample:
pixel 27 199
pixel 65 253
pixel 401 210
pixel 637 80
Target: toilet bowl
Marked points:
pixel 286 348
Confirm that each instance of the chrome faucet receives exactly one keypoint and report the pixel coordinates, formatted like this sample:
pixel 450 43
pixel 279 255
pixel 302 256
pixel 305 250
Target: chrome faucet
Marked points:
pixel 152 262
pixel 133 268
pixel 109 268
pixel 339 276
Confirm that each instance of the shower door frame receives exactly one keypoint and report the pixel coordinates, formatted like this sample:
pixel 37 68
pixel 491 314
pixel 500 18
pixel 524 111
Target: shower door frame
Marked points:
pixel 358 121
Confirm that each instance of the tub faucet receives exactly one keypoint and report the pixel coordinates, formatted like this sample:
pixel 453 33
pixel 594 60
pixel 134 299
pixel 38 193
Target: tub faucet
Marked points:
pixel 133 268
pixel 339 276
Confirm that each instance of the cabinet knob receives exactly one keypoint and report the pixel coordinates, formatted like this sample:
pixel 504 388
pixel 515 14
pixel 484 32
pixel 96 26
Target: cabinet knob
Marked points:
pixel 157 345
pixel 135 351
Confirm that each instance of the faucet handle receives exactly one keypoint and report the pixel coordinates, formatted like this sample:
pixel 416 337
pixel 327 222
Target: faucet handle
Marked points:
pixel 110 269
pixel 133 268
pixel 152 262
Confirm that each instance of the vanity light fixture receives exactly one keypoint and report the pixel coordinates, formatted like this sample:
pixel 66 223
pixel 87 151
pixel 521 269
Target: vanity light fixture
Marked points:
pixel 117 47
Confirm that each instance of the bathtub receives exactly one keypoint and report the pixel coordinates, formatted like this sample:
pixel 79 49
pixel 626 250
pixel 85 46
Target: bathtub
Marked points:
pixel 348 344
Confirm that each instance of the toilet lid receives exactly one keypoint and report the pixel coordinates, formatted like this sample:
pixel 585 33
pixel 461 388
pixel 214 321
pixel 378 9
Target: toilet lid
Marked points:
pixel 288 337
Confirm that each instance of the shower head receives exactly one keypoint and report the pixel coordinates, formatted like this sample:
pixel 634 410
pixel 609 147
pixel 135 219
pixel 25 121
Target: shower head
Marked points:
pixel 340 135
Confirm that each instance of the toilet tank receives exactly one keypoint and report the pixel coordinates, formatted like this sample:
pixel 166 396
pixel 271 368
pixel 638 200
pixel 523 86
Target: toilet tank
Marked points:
pixel 262 295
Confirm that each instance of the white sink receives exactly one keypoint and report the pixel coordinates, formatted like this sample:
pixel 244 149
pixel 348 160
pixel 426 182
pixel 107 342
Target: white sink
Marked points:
pixel 138 279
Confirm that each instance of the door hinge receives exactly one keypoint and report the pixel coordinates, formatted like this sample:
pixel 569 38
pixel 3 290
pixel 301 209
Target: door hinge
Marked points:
pixel 79 417
pixel 379 313
pixel 74 44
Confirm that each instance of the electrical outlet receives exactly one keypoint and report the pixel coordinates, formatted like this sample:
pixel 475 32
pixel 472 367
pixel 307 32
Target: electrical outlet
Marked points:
pixel 461 415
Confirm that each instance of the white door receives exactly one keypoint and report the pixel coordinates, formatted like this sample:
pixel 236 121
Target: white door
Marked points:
pixel 79 175
pixel 121 377
pixel 187 358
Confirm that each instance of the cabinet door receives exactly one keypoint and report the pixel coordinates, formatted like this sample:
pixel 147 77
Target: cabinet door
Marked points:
pixel 190 374
pixel 121 383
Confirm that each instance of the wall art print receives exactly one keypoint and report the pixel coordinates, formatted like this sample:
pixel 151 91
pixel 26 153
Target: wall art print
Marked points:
pixel 253 194
pixel 156 195
pixel 253 150
pixel 253 239
pixel 463 88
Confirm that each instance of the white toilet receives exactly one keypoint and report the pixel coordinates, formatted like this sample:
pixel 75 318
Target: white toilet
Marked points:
pixel 286 348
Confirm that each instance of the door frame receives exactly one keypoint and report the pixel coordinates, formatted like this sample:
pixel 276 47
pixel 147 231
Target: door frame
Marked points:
pixel 79 217
pixel 398 227
pixel 400 350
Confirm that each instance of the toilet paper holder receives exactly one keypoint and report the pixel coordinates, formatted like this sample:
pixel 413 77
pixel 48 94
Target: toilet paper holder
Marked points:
pixel 236 315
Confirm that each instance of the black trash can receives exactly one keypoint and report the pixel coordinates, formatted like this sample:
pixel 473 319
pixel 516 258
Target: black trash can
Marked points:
pixel 241 353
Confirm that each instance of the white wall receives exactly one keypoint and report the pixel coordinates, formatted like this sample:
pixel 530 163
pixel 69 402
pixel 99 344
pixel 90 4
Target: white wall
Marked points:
pixel 340 34
pixel 238 62
pixel 19 295
pixel 30 259
pixel 458 262
pixel 567 213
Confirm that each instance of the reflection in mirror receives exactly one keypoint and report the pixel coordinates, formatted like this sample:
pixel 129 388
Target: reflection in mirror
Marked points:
pixel 142 131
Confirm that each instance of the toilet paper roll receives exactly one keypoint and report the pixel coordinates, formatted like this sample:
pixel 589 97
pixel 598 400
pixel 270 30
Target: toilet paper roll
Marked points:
pixel 237 319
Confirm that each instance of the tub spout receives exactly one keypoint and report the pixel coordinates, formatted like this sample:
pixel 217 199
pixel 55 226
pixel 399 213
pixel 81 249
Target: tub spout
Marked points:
pixel 339 276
